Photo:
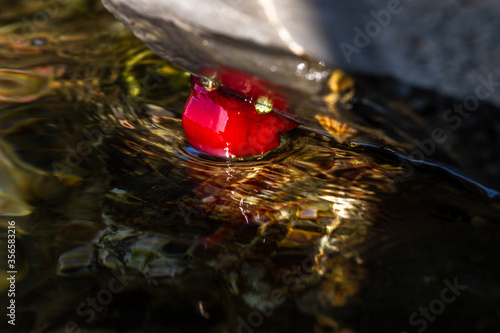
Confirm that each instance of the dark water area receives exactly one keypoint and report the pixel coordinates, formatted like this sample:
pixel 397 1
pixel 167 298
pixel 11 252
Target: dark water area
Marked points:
pixel 121 226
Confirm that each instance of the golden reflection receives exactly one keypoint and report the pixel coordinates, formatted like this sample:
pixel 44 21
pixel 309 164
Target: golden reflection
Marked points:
pixel 342 90
pixel 323 212
pixel 21 86
pixel 341 87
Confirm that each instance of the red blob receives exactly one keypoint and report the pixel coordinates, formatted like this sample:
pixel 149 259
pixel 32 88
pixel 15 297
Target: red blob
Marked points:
pixel 220 124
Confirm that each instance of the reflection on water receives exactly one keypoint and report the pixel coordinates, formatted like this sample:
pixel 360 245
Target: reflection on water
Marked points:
pixel 121 226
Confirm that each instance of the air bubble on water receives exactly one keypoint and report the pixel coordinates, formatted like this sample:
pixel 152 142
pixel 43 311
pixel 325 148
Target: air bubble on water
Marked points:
pixel 314 75
pixel 210 83
pixel 263 105
pixel 300 69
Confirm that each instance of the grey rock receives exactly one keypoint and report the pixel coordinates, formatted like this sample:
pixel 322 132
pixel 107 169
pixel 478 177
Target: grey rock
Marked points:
pixel 443 46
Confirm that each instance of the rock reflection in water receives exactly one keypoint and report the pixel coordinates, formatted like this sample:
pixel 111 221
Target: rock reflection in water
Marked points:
pixel 121 226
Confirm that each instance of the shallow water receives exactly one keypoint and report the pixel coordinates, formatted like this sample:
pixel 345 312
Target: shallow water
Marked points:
pixel 122 227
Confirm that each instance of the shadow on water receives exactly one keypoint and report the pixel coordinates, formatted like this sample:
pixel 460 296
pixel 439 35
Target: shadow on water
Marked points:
pixel 121 226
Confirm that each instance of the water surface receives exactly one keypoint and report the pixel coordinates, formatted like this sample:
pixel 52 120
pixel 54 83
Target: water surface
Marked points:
pixel 122 227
